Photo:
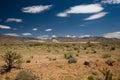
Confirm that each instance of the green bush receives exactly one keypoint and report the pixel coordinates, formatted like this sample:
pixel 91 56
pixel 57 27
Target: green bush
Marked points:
pixel 106 55
pixel 25 75
pixel 90 78
pixel 67 56
pixel 86 63
pixel 28 61
pixel 112 48
pixel 12 60
pixel 72 60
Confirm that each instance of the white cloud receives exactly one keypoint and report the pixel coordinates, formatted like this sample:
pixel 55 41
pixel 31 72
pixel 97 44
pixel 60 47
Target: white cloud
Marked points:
pixel 13 20
pixel 82 9
pixel 34 29
pixel 72 36
pixel 82 36
pixel 48 30
pixel 26 34
pixel 11 34
pixel 54 36
pixel 43 37
pixel 96 16
pixel 62 14
pixel 5 27
pixel 111 1
pixel 36 9
pixel 112 35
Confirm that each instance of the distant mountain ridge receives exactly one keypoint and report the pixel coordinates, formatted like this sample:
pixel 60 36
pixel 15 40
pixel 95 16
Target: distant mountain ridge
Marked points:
pixel 85 39
pixel 12 39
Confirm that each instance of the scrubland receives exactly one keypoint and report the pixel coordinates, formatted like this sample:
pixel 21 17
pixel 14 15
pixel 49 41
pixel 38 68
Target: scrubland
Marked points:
pixel 64 61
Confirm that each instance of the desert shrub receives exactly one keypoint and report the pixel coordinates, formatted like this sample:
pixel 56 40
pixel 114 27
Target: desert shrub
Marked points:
pixel 72 60
pixel 25 75
pixel 112 48
pixel 51 59
pixel 86 63
pixel 119 77
pixel 106 55
pixel 107 74
pixel 94 51
pixel 48 50
pixel 7 78
pixel 12 60
pixel 88 44
pixel 109 62
pixel 77 55
pixel 90 78
pixel 54 59
pixel 28 61
pixel 78 51
pixel 67 56
pixel 76 48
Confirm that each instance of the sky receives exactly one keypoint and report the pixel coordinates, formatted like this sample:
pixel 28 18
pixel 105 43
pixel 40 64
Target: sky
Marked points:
pixel 60 18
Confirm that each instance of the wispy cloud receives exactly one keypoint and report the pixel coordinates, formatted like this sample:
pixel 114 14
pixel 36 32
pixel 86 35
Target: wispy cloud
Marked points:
pixel 43 37
pixel 96 16
pixel 111 1
pixel 48 30
pixel 26 34
pixel 82 9
pixel 34 29
pixel 4 27
pixel 112 35
pixel 14 20
pixel 36 9
pixel 12 34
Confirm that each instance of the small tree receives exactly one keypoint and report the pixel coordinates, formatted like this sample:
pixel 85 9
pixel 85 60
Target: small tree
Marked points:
pixel 12 59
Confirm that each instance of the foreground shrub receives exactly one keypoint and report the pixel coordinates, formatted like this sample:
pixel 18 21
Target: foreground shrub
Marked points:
pixel 12 60
pixel 109 62
pixel 107 74
pixel 72 60
pixel 25 75
pixel 86 63
pixel 68 56
pixel 106 55
pixel 90 78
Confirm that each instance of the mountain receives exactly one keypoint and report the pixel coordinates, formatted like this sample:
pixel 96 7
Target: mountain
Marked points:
pixel 84 39
pixel 5 39
pixel 10 39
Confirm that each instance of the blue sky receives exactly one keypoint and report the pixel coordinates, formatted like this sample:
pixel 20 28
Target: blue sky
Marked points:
pixel 57 18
